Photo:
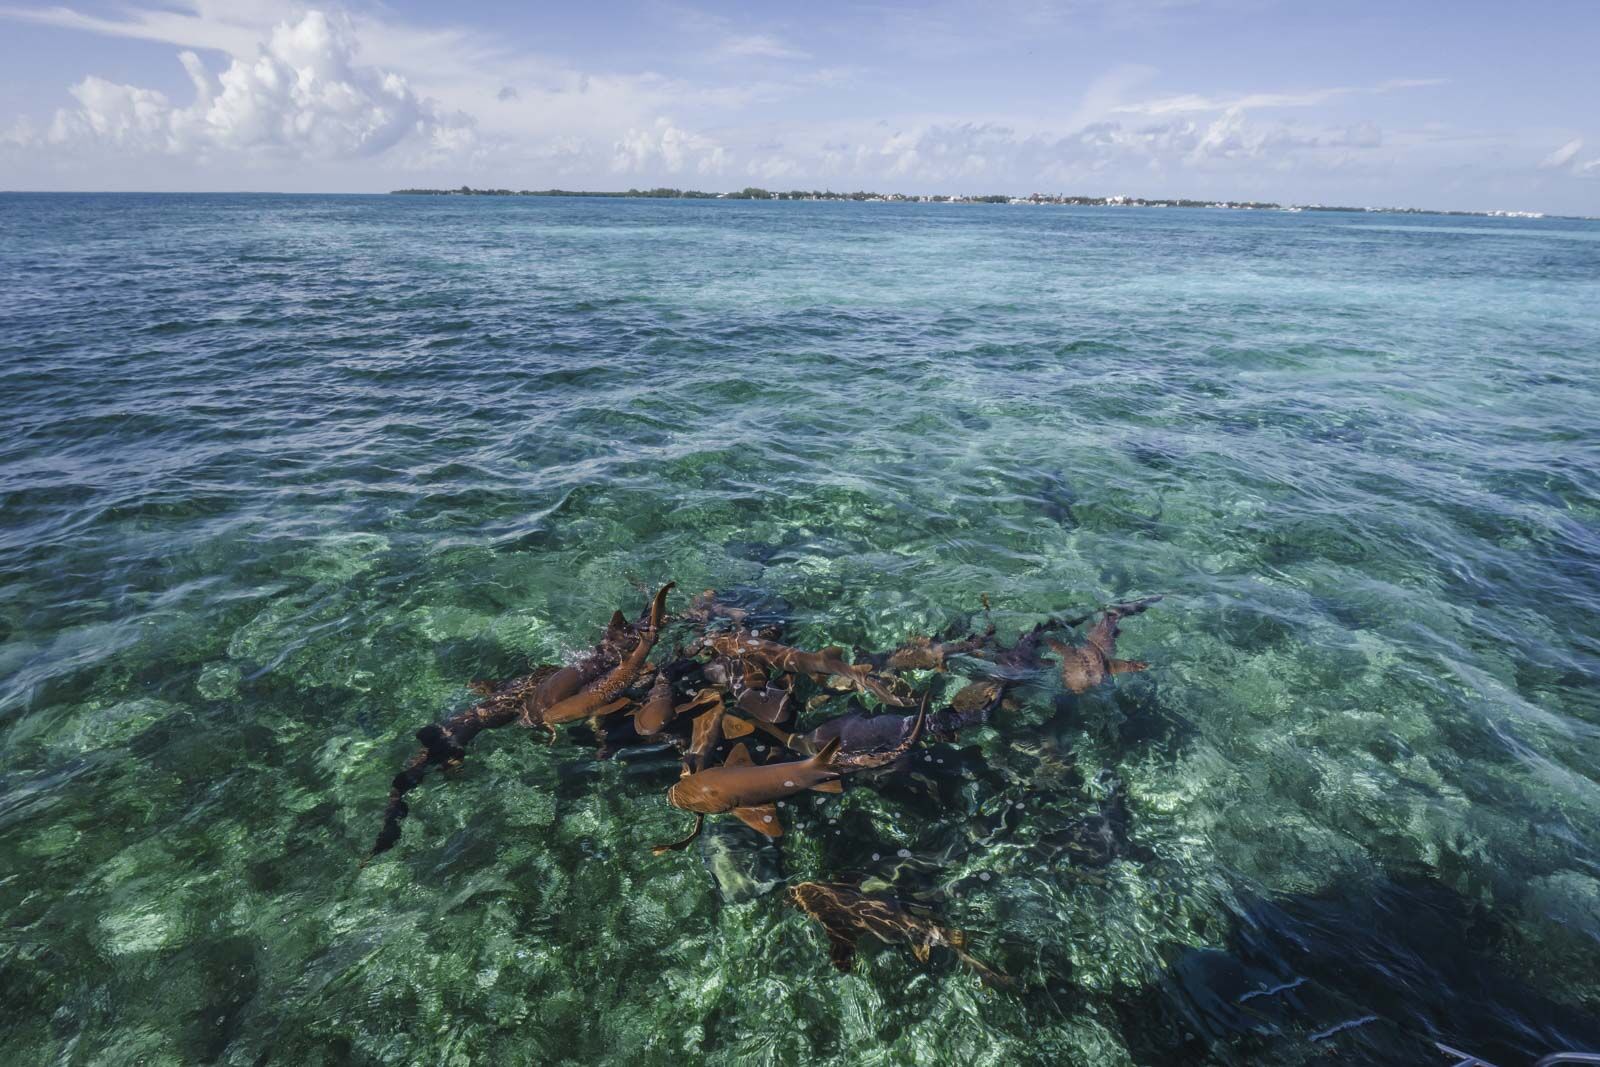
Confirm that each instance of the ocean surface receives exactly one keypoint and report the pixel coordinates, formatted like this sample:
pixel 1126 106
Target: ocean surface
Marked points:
pixel 280 475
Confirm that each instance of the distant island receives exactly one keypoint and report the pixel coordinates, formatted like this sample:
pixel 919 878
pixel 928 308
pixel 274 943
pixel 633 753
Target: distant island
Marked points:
pixel 752 193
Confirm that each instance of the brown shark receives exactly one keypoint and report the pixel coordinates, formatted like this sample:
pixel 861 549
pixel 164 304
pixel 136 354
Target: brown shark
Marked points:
pixel 971 706
pixel 445 744
pixel 620 638
pixel 824 666
pixel 923 653
pixel 705 607
pixel 658 708
pixel 601 697
pixel 1085 666
pixel 749 791
pixel 710 726
pixel 866 742
pixel 754 691
pixel 926 654
pixel 529 698
pixel 847 915
pixel 742 783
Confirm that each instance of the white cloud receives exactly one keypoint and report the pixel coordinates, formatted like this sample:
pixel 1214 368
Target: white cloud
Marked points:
pixel 367 99
pixel 760 46
pixel 232 26
pixel 302 95
pixel 1189 103
pixel 124 115
pixel 995 156
pixel 668 148
pixel 1563 155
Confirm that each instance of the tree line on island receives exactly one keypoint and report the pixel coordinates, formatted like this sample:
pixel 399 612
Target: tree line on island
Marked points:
pixel 747 193
pixel 754 193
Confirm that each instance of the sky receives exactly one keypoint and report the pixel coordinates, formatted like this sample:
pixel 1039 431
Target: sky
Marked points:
pixel 1462 105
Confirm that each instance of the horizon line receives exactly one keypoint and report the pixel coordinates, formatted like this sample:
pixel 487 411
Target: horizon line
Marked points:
pixel 1051 199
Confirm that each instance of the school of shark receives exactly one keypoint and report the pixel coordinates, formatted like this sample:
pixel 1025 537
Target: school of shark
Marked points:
pixel 733 699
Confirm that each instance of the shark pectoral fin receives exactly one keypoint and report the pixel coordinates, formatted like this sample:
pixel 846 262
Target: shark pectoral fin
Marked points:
pixel 735 727
pixel 835 786
pixel 606 709
pixel 1128 666
pixel 740 756
pixel 482 686
pixel 762 819
pixel 1060 648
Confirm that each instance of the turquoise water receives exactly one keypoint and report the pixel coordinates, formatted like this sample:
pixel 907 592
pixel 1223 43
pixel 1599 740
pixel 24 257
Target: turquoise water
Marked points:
pixel 280 475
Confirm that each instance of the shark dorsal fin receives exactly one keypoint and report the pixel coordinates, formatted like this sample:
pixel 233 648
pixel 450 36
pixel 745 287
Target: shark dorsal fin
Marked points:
pixel 824 756
pixel 739 757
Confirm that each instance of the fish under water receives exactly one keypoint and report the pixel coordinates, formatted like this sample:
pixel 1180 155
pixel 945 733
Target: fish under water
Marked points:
pixel 847 916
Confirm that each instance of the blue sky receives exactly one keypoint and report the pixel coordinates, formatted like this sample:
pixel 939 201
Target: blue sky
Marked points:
pixel 1459 105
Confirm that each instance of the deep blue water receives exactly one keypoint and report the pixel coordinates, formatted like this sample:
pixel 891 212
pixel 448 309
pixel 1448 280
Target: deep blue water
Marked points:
pixel 280 475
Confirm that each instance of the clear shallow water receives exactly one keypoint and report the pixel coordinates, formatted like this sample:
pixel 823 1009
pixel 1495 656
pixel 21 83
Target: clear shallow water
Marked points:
pixel 279 475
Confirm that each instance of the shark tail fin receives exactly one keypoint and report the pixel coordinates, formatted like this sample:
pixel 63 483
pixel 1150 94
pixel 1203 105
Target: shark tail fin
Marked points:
pixel 678 846
pixel 919 724
pixel 658 607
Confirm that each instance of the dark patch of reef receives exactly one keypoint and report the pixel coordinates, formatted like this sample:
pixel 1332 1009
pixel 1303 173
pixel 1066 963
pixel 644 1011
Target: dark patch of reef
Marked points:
pixel 732 676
